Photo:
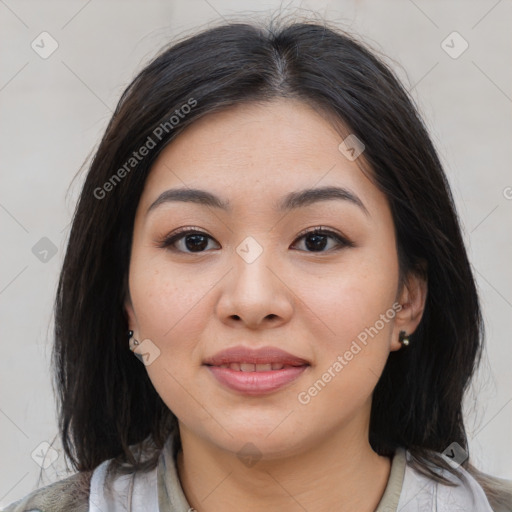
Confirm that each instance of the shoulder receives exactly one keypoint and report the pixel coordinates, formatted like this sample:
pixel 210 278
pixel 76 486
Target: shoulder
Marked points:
pixel 124 490
pixel 71 493
pixel 466 492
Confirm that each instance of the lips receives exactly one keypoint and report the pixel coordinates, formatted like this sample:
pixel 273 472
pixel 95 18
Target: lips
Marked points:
pixel 248 358
pixel 255 371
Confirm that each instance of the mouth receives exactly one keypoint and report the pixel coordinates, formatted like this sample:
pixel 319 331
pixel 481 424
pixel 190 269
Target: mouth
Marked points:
pixel 255 372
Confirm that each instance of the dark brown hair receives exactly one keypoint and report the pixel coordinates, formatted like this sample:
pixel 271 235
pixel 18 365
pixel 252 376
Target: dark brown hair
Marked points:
pixel 106 399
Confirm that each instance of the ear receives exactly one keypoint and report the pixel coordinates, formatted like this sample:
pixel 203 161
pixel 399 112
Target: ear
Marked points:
pixel 412 299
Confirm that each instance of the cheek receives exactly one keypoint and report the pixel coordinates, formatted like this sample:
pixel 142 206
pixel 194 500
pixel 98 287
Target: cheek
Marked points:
pixel 356 304
pixel 166 300
pixel 353 296
pixel 350 361
pixel 169 312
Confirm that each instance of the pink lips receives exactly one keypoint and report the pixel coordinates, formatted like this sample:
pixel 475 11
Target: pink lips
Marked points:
pixel 236 368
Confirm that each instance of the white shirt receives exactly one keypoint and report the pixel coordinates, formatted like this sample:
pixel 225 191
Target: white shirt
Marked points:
pixel 129 492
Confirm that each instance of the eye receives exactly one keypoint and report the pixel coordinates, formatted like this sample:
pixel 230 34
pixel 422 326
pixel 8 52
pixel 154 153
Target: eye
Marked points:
pixel 316 239
pixel 194 240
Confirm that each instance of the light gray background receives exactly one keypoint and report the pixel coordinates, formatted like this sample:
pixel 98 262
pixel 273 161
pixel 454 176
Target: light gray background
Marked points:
pixel 54 111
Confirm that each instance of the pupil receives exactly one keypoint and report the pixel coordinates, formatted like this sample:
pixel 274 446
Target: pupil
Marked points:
pixel 319 241
pixel 197 242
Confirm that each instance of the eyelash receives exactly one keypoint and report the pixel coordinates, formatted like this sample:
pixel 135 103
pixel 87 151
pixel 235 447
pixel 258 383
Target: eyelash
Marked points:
pixel 342 241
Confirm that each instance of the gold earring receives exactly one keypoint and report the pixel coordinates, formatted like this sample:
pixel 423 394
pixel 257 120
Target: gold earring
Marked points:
pixel 403 338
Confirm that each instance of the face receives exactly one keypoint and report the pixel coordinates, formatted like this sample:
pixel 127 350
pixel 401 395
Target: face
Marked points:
pixel 250 272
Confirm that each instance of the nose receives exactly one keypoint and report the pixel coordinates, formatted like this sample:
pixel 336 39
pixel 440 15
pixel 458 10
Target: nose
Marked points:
pixel 255 294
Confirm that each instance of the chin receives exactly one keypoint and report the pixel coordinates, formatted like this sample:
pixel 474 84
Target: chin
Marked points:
pixel 265 443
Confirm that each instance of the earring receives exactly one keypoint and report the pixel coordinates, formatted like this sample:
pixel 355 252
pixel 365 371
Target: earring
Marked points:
pixel 133 344
pixel 403 338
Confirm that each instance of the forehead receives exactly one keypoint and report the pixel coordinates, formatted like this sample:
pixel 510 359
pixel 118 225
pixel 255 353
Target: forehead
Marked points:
pixel 262 151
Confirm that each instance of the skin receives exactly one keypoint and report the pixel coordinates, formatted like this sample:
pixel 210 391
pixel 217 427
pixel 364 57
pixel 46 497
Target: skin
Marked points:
pixel 311 303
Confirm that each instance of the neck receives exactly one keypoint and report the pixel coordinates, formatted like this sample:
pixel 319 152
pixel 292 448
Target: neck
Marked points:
pixel 341 473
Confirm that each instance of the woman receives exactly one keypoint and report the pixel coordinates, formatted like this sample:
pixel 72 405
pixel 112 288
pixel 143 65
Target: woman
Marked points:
pixel 267 227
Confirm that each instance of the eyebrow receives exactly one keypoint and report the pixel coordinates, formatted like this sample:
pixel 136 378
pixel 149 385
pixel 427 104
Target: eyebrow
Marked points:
pixel 291 201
